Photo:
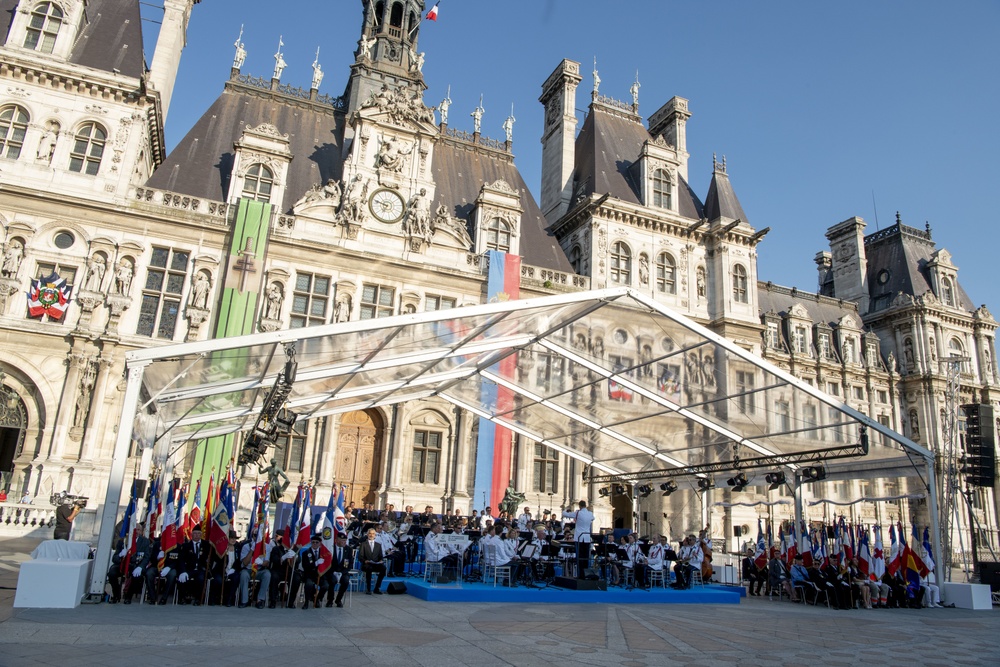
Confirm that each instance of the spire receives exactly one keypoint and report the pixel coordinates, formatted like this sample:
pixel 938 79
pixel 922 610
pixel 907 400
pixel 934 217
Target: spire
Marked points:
pixel 721 202
pixel 169 44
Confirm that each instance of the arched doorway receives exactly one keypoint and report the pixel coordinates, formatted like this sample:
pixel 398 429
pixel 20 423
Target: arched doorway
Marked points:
pixel 13 422
pixel 359 455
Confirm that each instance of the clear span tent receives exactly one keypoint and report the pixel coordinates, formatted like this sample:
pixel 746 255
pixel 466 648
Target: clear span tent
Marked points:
pixel 608 377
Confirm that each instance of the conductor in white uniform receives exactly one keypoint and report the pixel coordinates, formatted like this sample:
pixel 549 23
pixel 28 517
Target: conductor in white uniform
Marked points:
pixel 584 520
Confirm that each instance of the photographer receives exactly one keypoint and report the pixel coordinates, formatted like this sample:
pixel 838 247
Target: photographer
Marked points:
pixel 65 514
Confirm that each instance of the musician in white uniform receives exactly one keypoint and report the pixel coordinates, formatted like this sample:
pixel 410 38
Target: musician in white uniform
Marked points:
pixel 524 519
pixel 584 520
pixel 435 552
pixel 637 561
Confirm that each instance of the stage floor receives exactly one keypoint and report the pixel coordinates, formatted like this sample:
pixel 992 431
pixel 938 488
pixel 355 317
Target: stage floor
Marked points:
pixel 479 592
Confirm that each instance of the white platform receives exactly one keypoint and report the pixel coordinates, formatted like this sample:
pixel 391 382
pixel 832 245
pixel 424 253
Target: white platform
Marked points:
pixel 52 584
pixel 967 596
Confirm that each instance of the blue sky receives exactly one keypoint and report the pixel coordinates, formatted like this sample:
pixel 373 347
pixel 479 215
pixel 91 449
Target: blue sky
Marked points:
pixel 816 106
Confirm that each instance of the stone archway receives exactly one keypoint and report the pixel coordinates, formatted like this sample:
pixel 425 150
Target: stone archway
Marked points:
pixel 13 423
pixel 360 444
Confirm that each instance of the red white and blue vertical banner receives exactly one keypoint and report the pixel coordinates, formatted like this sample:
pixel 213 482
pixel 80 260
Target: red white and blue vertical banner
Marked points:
pixel 494 446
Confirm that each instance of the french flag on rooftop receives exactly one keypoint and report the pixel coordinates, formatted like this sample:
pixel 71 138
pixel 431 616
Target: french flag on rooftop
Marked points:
pixel 432 15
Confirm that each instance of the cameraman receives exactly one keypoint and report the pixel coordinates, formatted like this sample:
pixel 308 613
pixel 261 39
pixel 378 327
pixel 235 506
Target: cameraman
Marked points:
pixel 65 514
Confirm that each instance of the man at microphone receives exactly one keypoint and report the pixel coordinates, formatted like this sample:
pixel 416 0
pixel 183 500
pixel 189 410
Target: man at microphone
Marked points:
pixel 584 520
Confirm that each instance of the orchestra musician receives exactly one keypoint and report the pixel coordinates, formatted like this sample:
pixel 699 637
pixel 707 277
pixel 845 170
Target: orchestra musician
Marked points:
pixel 584 520
pixel 524 520
pixel 637 561
pixel 436 552
pixel 389 543
pixel 657 560
pixel 532 557
pixel 689 558
pixel 705 542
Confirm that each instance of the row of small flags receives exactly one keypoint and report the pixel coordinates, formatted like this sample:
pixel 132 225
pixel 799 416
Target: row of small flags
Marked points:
pixel 861 542
pixel 168 510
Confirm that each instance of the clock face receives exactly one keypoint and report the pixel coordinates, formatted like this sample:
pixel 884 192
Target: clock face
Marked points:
pixel 387 205
pixel 882 277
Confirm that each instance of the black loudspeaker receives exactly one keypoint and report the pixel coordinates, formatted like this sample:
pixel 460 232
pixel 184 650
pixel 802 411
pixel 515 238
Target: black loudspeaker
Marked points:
pixel 737 531
pixel 831 532
pixel 396 588
pixel 591 574
pixel 140 488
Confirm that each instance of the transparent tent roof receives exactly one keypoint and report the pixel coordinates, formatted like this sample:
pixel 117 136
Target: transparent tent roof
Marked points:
pixel 608 377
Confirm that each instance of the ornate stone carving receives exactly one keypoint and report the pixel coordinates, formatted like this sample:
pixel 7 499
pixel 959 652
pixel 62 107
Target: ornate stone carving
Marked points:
pixel 47 144
pixel 88 378
pixel 391 155
pixel 353 209
pixel 196 317
pixel 342 308
pixel 417 223
pixel 12 256
pixel 121 284
pixel 446 223
pixel 8 288
pixel 96 268
pixel 398 106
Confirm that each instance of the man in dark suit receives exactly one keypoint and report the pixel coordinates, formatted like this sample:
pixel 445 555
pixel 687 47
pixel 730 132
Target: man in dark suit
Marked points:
pixel 343 559
pixel 371 557
pixel 194 564
pixel 309 561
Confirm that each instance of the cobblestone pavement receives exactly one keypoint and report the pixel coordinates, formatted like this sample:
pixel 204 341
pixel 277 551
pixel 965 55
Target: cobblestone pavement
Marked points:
pixel 401 630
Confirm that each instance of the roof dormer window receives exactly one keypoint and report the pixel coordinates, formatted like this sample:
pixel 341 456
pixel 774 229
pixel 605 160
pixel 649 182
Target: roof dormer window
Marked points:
pixel 947 292
pixel 662 189
pixel 43 27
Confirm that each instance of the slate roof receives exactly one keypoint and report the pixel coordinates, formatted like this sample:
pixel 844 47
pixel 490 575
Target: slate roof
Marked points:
pixel 606 148
pixel 460 174
pixel 721 201
pixel 904 253
pixel 110 38
pixel 201 164
pixel 821 309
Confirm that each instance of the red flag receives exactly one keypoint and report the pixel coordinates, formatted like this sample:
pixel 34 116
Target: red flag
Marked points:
pixel 432 15
pixel 194 516
pixel 304 532
pixel 168 538
pixel 209 506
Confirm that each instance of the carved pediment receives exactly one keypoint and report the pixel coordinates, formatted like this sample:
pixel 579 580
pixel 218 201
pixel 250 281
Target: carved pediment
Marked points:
pixel 798 310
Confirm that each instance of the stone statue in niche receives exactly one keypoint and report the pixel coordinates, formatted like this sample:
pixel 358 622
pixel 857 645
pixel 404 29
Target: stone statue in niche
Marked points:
pixel 274 298
pixel 12 259
pixel 342 309
pixel 417 220
pixel 908 354
pixel 122 284
pixel 199 291
pixel 914 426
pixel 700 281
pixel 47 144
pixel 96 268
pixel 88 379
pixel 643 269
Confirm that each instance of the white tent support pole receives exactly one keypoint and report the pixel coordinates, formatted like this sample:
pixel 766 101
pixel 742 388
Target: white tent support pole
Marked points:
pixel 116 479
pixel 799 537
pixel 932 503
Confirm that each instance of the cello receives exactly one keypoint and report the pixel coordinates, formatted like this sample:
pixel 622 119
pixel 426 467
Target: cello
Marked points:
pixel 706 550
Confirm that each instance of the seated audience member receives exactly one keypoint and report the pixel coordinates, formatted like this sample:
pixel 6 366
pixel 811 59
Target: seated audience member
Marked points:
pixel 801 579
pixel 861 586
pixel 755 577
pixel 932 593
pixel 841 586
pixel 778 577
pixel 225 576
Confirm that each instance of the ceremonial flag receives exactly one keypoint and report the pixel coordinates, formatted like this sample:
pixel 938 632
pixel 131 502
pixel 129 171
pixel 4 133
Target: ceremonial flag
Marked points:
pixel 852 545
pixel 865 560
pixel 49 296
pixel 760 555
pixel 194 516
pixel 927 555
pixel 782 547
pixel 839 539
pixel 261 534
pixel 182 534
pixel 168 538
pixel 209 506
pixel 915 559
pixel 154 508
pixel 340 499
pixel 793 545
pixel 125 534
pixel 818 539
pixel 878 555
pixel 895 555
pixel 253 512
pixel 770 536
pixel 292 527
pixel 432 15
pixel 305 520
pixel 327 532
pixel 222 519
pixel 913 566
pixel 807 547
pixel 339 521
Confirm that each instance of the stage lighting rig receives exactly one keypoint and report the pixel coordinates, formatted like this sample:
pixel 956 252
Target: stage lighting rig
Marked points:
pixel 705 484
pixel 668 487
pixel 774 479
pixel 604 492
pixel 739 482
pixel 644 490
pixel 813 474
pixel 273 419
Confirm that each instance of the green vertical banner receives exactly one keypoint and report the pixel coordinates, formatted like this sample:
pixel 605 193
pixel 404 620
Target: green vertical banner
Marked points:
pixel 244 275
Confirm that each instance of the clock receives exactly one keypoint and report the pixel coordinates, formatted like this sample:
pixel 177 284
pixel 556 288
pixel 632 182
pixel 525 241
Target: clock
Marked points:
pixel 882 277
pixel 387 205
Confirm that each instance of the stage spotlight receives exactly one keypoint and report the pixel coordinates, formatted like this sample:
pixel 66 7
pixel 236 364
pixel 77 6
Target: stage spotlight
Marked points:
pixel 644 490
pixel 705 484
pixel 619 489
pixel 285 421
pixel 668 487
pixel 604 492
pixel 775 479
pixel 813 474
pixel 739 482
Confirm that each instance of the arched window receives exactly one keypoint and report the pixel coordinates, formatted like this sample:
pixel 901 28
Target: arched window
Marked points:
pixel 379 14
pixel 662 189
pixel 956 349
pixel 740 294
pixel 257 183
pixel 13 125
pixel 43 27
pixel 396 16
pixel 666 273
pixel 498 235
pixel 576 259
pixel 88 148
pixel 947 292
pixel 621 264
